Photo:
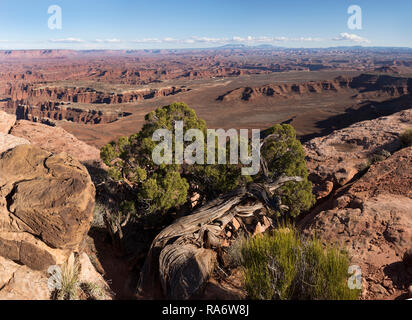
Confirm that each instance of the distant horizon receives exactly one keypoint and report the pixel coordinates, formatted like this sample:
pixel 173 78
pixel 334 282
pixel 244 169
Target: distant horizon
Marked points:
pixel 262 46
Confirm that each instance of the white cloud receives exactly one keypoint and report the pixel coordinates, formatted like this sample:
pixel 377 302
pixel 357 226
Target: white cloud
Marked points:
pixel 209 40
pixel 147 40
pixel 266 39
pixel 280 39
pixel 108 40
pixel 309 39
pixel 67 40
pixel 170 40
pixel 235 39
pixel 194 40
pixel 344 36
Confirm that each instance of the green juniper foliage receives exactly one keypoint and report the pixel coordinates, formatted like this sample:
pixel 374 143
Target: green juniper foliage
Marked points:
pixel 130 161
pixel 285 156
pixel 167 187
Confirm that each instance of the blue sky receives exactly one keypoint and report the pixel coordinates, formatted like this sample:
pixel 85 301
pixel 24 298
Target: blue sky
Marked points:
pixel 126 24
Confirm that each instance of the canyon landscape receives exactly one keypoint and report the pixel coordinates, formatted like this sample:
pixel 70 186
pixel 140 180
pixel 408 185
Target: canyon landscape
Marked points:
pixel 59 110
pixel 101 96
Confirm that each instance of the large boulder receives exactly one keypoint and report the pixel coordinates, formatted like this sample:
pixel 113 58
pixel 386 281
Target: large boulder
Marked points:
pixel 46 206
pixel 6 122
pixel 8 142
pixel 55 139
pixel 336 159
pixel 372 219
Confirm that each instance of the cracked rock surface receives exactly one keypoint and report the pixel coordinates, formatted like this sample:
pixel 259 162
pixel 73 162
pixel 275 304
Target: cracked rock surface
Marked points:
pixel 55 139
pixel 334 160
pixel 372 219
pixel 46 206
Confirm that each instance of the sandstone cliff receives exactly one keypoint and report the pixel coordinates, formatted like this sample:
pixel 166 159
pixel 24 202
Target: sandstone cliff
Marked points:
pixel 51 112
pixel 285 90
pixel 35 94
pixel 36 103
pixel 367 85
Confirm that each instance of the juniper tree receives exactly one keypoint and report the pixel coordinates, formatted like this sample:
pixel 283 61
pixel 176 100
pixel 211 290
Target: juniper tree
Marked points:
pixel 160 188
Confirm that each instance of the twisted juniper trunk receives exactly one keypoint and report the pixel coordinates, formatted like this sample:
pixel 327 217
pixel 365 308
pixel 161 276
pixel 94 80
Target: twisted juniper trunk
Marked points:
pixel 181 257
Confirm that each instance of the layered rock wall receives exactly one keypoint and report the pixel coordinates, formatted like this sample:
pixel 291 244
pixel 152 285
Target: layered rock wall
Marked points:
pixel 367 85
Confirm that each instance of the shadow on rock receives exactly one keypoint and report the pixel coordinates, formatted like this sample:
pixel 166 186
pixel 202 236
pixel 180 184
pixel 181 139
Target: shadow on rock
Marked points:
pixel 397 273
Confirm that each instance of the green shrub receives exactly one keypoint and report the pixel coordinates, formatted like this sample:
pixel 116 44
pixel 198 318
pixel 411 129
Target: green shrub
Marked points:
pixel 270 265
pixel 326 269
pixel 281 266
pixel 161 189
pixel 406 138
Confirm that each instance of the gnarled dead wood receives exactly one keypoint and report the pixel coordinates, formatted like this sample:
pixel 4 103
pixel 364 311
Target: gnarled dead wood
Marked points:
pixel 181 257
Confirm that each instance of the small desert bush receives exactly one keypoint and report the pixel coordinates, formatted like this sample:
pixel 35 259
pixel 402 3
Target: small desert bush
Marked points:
pixel 92 291
pixel 375 158
pixel 70 282
pixel 379 156
pixel 281 266
pixel 364 167
pixel 406 138
pixel 323 274
pixel 270 264
pixel 72 288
